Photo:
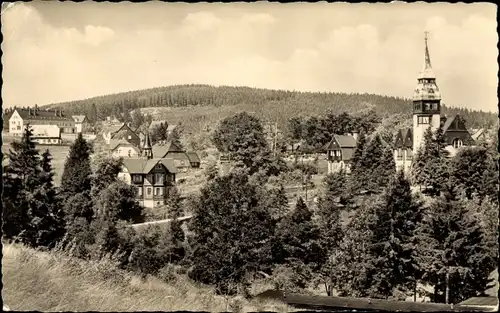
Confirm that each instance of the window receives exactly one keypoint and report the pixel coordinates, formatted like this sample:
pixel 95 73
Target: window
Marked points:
pixel 159 166
pixel 457 143
pixel 400 154
pixel 157 191
pixel 129 153
pixel 422 120
pixel 409 154
pixel 149 191
pixel 137 178
pixel 434 106
pixel 161 191
pixel 129 137
pixel 139 191
pixel 159 178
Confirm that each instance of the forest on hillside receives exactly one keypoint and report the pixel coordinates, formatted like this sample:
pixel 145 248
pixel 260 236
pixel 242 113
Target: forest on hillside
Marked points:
pixel 295 103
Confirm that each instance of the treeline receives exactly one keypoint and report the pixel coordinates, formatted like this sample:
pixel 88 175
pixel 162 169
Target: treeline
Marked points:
pixel 242 228
pixel 302 103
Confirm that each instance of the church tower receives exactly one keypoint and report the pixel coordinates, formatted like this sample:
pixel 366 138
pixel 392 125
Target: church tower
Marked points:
pixel 147 149
pixel 426 102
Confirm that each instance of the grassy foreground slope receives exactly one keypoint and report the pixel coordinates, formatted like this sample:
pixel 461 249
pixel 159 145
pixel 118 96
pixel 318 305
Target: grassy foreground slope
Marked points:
pixel 42 281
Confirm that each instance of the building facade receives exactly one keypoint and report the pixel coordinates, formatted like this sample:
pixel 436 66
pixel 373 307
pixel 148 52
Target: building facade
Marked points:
pixel 120 131
pixel 340 151
pixel 35 116
pixel 46 134
pixel 81 123
pixel 153 178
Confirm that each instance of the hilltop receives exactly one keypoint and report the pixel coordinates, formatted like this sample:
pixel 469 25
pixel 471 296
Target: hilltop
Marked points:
pixel 204 101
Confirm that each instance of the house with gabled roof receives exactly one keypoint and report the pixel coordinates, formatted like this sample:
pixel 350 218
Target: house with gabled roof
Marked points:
pixel 172 151
pixel 81 123
pixel 120 131
pixel 403 153
pixel 340 151
pixel 194 159
pixel 152 177
pixel 123 148
pixel 35 116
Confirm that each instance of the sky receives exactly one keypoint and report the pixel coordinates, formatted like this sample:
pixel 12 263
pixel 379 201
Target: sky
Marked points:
pixel 62 51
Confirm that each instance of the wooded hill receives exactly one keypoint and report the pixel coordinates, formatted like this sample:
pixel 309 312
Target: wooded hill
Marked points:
pixel 280 105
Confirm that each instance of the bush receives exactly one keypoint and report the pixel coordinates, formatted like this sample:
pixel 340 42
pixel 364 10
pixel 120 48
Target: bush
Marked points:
pixel 305 168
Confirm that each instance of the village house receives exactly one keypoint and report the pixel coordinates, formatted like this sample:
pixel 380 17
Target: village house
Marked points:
pixel 35 116
pixel 123 148
pixel 81 123
pixel 46 134
pixel 152 177
pixel 340 151
pixel 194 159
pixel 120 131
pixel 172 151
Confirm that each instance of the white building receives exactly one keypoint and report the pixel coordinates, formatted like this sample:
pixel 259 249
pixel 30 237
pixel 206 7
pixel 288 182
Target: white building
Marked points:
pixel 81 123
pixel 35 116
pixel 46 134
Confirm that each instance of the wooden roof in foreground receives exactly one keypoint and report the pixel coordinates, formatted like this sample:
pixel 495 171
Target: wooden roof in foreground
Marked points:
pixel 344 303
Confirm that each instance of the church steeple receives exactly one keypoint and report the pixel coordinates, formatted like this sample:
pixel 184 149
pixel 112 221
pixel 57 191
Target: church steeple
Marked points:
pixel 426 100
pixel 147 149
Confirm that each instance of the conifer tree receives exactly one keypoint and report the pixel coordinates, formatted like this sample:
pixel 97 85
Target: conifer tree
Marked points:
pixel 371 163
pixel 351 263
pixel 231 233
pixel 387 166
pixel 431 166
pixel 393 246
pixel 47 224
pixel 358 152
pixel 452 252
pixel 76 177
pixel 22 178
pixel 299 239
pixel 174 204
pixel 474 172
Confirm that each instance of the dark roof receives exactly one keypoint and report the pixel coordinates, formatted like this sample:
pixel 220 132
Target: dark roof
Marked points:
pixel 193 157
pixel 447 123
pixel 476 301
pixel 144 166
pixel 112 128
pixel 160 150
pixel 408 138
pixel 341 141
pixel 404 139
pixel 324 302
pixel 29 114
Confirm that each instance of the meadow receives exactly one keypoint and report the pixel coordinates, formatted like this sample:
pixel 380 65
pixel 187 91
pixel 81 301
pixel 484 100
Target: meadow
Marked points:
pixel 51 281
pixel 59 154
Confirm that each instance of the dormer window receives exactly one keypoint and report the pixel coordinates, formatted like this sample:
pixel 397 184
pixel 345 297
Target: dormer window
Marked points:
pixel 457 143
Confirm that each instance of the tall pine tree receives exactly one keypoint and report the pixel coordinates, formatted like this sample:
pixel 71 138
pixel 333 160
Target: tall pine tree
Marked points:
pixel 76 177
pixel 452 252
pixel 22 178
